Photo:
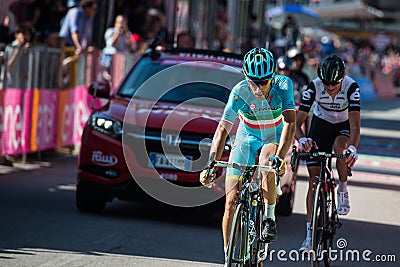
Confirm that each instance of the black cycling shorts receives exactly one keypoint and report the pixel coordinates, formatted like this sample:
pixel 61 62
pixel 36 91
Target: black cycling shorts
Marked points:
pixel 324 134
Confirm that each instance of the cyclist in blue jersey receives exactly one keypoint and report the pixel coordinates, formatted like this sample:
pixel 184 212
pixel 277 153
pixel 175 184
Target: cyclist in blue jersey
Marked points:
pixel 264 104
pixel 335 125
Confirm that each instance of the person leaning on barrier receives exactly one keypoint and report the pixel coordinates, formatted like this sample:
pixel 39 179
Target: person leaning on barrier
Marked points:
pixel 76 27
pixel 265 104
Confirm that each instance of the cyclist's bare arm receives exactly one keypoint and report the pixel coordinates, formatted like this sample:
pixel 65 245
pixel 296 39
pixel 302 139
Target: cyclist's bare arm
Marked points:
pixel 218 143
pixel 301 117
pixel 217 147
pixel 354 120
pixel 288 131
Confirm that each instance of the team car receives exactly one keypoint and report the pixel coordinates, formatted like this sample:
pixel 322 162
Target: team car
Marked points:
pixel 151 138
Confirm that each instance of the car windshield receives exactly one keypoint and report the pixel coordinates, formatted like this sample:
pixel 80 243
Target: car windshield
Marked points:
pixel 178 82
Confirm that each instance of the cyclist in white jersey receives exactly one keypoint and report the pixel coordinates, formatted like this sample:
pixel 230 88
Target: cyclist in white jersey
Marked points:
pixel 264 104
pixel 335 124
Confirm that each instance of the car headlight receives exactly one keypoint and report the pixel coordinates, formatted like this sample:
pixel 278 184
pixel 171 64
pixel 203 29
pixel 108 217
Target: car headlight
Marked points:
pixel 106 125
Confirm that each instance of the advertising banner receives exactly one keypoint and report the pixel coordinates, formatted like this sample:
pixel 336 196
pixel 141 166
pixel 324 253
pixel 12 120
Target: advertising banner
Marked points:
pixel 17 104
pixel 73 112
pixel 44 119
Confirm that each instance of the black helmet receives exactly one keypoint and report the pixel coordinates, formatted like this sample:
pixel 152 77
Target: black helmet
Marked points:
pixel 331 70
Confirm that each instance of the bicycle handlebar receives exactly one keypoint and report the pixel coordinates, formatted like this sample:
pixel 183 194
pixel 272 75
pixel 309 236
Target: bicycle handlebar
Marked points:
pixel 318 155
pixel 241 167
pixel 224 164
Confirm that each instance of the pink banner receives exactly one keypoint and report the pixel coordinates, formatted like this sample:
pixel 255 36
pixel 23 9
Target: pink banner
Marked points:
pixel 1 119
pixel 44 119
pixel 16 121
pixel 73 113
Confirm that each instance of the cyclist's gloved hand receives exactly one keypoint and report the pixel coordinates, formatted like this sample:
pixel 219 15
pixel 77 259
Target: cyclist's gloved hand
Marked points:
pixel 306 144
pixel 277 161
pixel 353 156
pixel 207 175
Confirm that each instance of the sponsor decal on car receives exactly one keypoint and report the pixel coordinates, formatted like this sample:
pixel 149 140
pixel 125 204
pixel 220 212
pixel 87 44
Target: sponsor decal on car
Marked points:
pixel 169 176
pixel 104 160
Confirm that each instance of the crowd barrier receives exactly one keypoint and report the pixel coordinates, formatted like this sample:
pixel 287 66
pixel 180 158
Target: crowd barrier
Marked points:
pixel 44 101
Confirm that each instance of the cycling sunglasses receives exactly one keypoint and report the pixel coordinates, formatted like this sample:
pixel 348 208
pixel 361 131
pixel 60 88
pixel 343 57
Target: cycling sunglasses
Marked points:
pixel 261 82
pixel 332 83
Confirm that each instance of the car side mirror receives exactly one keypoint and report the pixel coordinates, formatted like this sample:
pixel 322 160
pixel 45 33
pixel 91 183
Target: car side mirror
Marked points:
pixel 100 89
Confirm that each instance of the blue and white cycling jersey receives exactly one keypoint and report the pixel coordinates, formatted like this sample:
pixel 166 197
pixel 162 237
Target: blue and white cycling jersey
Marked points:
pixel 260 120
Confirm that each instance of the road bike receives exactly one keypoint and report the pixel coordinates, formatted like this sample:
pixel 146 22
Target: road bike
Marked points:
pixel 246 248
pixel 325 219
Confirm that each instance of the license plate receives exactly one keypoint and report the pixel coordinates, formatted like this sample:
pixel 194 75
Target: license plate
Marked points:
pixel 174 162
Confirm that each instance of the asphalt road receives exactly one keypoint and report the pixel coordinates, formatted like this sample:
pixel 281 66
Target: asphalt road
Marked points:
pixel 40 226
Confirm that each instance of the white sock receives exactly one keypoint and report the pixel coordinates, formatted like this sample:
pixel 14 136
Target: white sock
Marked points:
pixel 308 230
pixel 269 211
pixel 225 250
pixel 342 187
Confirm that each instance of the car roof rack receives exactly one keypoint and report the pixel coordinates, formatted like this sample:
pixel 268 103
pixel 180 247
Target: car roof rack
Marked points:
pixel 205 51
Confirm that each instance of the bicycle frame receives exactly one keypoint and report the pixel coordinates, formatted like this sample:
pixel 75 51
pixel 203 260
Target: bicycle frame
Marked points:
pixel 247 221
pixel 325 219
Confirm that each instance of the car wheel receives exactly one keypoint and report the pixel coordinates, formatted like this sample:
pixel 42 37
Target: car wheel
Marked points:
pixel 89 200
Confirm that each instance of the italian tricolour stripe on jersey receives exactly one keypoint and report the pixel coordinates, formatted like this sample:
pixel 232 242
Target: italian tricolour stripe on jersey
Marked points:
pixel 262 122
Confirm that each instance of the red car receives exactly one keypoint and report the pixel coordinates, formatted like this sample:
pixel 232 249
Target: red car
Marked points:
pixel 152 138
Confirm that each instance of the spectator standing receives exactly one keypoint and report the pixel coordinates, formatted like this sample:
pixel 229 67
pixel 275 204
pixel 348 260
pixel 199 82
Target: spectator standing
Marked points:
pixel 76 28
pixel 118 40
pixel 47 20
pixel 5 32
pixel 25 12
pixel 119 36
pixel 185 40
pixel 23 37
pixel 290 30
pixel 327 46
pixel 16 53
pixel 51 39
pixel 156 24
pixel 222 35
pixel 300 80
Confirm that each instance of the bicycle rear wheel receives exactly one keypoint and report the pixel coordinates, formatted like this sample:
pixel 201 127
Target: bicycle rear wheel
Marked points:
pixel 318 227
pixel 238 239
pixel 333 223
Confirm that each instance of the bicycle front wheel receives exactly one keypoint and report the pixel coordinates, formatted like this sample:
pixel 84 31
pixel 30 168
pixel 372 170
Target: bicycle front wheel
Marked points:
pixel 238 239
pixel 318 226
pixel 259 249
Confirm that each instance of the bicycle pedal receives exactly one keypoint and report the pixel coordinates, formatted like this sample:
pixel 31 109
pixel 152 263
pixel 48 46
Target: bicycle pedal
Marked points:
pixel 262 256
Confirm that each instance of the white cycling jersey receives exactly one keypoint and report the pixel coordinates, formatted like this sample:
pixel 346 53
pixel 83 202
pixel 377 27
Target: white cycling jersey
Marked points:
pixel 333 110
